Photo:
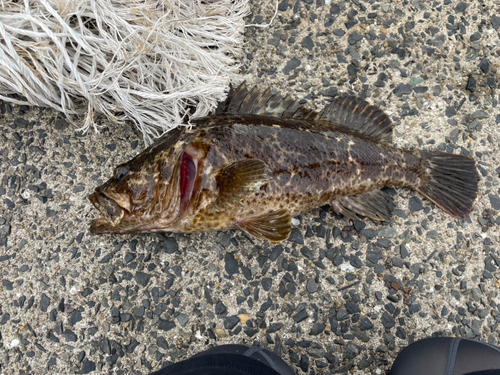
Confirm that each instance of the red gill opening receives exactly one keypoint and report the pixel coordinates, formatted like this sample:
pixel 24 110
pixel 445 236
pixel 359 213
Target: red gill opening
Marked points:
pixel 188 175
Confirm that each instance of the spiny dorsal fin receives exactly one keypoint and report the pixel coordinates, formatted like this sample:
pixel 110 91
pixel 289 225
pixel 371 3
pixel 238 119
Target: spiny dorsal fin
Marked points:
pixel 375 204
pixel 274 226
pixel 243 101
pixel 357 114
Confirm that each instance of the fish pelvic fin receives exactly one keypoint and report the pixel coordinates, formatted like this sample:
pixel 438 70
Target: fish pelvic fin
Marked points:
pixel 450 181
pixel 241 101
pixel 374 204
pixel 274 226
pixel 359 115
pixel 240 179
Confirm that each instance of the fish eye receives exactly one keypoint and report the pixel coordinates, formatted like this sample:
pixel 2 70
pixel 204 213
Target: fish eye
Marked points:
pixel 120 172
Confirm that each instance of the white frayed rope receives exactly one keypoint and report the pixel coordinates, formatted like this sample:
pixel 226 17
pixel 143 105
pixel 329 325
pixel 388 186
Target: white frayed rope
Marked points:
pixel 145 61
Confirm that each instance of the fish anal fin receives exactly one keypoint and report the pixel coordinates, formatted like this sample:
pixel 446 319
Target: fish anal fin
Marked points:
pixel 359 115
pixel 240 179
pixel 275 226
pixel 374 204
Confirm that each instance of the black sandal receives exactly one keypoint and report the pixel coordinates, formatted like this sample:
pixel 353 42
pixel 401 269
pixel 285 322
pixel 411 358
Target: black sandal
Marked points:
pixel 230 360
pixel 447 356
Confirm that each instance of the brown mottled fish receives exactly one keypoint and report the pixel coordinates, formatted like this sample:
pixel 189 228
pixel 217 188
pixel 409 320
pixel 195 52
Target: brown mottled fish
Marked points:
pixel 262 159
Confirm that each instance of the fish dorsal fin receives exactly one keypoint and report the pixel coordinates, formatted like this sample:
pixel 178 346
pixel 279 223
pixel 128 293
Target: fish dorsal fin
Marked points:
pixel 348 111
pixel 275 226
pixel 243 101
pixel 375 204
pixel 358 114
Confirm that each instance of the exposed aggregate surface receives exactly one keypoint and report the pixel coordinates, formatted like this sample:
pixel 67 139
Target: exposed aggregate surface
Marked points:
pixel 337 297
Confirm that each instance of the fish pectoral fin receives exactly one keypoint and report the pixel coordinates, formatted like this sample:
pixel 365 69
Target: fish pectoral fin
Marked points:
pixel 275 226
pixel 374 204
pixel 240 179
pixel 358 114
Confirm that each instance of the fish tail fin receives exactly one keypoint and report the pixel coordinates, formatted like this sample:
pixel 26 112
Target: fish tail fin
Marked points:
pixel 450 181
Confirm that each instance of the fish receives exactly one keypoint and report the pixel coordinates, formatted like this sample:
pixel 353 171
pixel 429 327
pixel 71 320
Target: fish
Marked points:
pixel 263 158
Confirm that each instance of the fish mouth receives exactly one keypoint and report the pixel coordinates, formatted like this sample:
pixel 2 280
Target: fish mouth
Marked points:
pixel 112 214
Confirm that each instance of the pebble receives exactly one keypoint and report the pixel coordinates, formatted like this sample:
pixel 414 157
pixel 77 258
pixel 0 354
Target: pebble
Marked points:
pixel 402 89
pixel 87 367
pixel 183 319
pixel 291 65
pixel 231 265
pixel 415 204
pixel 317 328
pixel 300 316
pixel 142 278
pixel 351 351
pixel 170 246
pixel 296 236
pixel 311 286
pixel 69 335
pixel 387 320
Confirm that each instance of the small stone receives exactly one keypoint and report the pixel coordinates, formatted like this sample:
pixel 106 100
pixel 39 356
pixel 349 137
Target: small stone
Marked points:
pixel 296 236
pixel 183 319
pixel 476 326
pixel 162 342
pixel 231 321
pixel 450 111
pixel 387 232
pixel 44 302
pixel 142 278
pixel 275 327
pixel 311 286
pixel 494 201
pixel 316 329
pixel 495 22
pixel 244 318
pixel 87 367
pixel 231 265
pixel 484 65
pixel 69 335
pixel 75 317
pixel 220 308
pixel 9 285
pixel 308 43
pixel 354 38
pixel 351 351
pixel 291 65
pixel 170 246
pixel 461 7
pixel 300 316
pixel 342 314
pixel 471 83
pixel 304 363
pixel 125 317
pixel 166 325
pixel 368 233
pixel 5 319
pixel 402 89
pixel 387 320
pixel 480 114
pixel 365 324
pixel 352 308
pixel 415 204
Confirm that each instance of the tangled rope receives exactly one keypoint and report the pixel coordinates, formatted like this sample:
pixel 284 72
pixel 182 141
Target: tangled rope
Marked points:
pixel 147 61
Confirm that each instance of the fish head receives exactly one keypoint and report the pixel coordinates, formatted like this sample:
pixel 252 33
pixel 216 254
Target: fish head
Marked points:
pixel 144 193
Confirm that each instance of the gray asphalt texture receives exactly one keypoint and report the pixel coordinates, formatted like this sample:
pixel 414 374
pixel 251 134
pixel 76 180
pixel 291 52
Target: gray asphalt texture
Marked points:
pixel 338 296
